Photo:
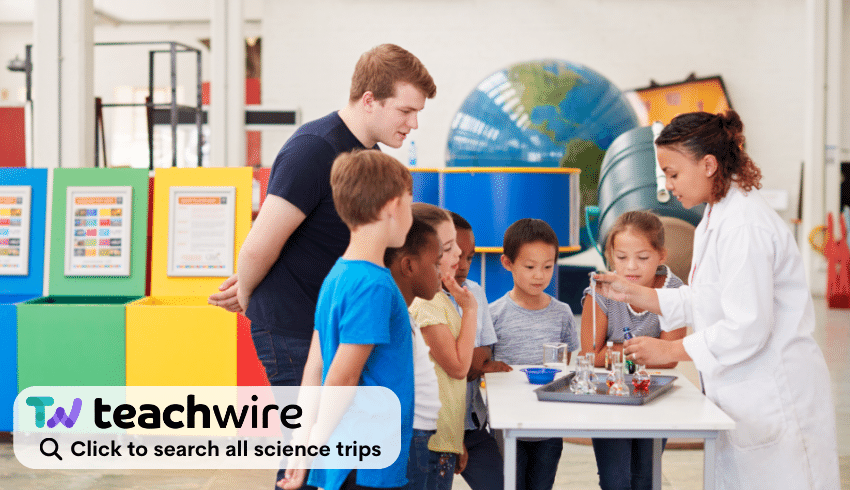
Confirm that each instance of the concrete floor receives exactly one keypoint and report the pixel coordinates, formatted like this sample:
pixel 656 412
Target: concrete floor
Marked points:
pixel 682 469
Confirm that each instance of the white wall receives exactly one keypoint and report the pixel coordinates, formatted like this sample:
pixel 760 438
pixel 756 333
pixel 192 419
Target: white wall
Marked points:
pixel 120 66
pixel 13 39
pixel 758 46
pixel 310 48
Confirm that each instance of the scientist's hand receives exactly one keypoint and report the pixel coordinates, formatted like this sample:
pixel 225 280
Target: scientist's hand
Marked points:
pixel 227 296
pixel 293 479
pixel 613 286
pixel 649 351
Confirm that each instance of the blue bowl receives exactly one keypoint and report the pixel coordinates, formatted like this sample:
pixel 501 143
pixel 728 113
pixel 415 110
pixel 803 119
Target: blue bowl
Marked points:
pixel 540 376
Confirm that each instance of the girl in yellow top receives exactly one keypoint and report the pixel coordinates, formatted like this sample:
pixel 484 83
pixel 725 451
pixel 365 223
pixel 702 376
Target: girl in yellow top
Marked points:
pixel 451 340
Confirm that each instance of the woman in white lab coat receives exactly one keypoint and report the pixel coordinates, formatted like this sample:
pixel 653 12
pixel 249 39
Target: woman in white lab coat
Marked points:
pixel 751 311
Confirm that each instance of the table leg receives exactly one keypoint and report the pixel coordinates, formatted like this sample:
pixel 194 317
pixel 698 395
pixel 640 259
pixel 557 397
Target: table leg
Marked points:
pixel 656 464
pixel 510 461
pixel 708 464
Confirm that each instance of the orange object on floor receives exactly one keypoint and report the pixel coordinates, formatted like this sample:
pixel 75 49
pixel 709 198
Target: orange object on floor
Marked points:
pixel 838 266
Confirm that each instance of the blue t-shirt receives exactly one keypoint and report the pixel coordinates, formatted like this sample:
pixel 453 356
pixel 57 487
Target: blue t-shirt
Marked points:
pixel 285 300
pixel 360 304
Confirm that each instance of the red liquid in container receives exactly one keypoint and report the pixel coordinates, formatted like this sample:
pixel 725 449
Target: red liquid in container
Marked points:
pixel 641 385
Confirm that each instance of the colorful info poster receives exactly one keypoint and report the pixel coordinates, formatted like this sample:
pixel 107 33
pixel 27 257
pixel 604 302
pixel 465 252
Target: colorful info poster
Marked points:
pixel 14 230
pixel 201 231
pixel 97 240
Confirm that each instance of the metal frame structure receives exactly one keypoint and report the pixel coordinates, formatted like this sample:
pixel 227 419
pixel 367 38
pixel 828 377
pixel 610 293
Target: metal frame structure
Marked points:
pixel 173 107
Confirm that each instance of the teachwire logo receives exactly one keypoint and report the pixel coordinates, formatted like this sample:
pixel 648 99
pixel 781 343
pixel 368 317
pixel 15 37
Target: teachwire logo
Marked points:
pixel 59 416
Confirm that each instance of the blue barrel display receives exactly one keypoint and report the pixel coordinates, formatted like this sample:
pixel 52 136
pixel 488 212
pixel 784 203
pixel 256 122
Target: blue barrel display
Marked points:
pixel 627 182
pixel 426 185
pixel 492 199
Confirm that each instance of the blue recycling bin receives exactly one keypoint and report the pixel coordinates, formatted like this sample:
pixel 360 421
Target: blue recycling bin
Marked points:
pixel 23 201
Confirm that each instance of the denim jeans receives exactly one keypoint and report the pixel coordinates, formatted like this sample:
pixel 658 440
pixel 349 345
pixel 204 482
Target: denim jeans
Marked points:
pixel 443 467
pixel 537 463
pixel 426 469
pixel 283 359
pixel 419 471
pixel 484 469
pixel 624 464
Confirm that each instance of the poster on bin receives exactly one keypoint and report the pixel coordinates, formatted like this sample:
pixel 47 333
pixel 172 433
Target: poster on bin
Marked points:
pixel 201 231
pixel 98 235
pixel 14 229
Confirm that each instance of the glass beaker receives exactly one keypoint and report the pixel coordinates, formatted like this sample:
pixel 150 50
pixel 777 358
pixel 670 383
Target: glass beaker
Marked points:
pixel 555 355
pixel 580 384
pixel 591 360
pixel 618 387
pixel 641 379
pixel 615 359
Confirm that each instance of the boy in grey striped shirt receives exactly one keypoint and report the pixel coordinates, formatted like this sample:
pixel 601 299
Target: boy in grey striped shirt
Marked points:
pixel 526 318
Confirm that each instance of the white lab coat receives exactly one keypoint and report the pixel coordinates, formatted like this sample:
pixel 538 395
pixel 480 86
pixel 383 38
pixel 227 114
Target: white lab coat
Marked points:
pixel 753 318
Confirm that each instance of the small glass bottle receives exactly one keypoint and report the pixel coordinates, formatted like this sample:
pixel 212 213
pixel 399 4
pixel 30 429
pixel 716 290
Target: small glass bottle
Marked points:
pixel 591 362
pixel 630 365
pixel 641 379
pixel 609 348
pixel 615 359
pixel 618 387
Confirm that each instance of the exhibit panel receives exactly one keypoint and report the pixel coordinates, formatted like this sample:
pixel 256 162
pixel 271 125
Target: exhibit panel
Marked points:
pixel 76 334
pixel 201 217
pixel 23 201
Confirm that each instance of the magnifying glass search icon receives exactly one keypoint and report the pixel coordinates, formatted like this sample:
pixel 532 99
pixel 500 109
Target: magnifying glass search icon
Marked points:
pixel 55 451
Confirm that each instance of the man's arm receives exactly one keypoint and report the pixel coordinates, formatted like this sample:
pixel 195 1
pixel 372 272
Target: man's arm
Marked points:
pixel 276 222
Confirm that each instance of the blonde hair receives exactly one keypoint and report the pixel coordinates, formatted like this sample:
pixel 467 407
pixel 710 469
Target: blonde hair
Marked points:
pixel 363 182
pixel 430 214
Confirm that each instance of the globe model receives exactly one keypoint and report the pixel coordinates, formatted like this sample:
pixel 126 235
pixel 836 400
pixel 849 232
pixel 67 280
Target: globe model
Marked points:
pixel 545 113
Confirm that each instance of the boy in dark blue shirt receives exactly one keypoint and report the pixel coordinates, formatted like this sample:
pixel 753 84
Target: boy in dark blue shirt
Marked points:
pixel 363 335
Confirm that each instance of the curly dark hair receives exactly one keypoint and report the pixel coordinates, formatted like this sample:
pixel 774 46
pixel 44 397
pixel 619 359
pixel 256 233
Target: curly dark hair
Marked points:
pixel 720 135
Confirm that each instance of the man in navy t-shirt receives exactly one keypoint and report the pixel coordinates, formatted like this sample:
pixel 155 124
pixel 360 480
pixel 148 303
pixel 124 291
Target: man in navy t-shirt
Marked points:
pixel 298 236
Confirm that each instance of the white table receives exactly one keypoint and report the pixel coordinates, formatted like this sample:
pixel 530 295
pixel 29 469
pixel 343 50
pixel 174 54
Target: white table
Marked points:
pixel 683 412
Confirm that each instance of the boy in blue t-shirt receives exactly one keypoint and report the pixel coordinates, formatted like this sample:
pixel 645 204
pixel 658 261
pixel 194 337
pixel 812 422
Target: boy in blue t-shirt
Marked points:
pixel 362 333
pixel 525 318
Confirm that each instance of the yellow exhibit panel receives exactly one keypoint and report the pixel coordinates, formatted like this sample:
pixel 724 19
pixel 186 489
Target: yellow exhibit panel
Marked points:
pixel 195 227
pixel 201 216
pixel 180 341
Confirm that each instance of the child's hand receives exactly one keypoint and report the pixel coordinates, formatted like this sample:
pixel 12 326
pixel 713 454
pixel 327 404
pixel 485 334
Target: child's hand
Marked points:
pixel 613 286
pixel 465 299
pixel 461 461
pixel 497 367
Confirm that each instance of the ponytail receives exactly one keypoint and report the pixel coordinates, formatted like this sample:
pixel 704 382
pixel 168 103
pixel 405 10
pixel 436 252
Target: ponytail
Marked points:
pixel 720 135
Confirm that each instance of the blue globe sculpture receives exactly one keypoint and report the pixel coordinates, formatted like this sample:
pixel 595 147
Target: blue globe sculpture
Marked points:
pixel 545 113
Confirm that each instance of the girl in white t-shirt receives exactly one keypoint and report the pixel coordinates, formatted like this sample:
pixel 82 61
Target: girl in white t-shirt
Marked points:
pixel 416 270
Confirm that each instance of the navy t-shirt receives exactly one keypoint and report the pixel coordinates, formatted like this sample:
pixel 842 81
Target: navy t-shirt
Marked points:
pixel 285 300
